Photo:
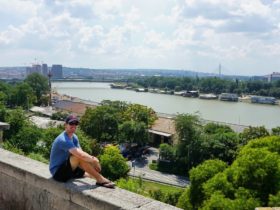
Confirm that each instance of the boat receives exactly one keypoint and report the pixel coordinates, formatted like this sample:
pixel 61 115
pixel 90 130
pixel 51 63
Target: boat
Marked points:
pixel 191 93
pixel 263 100
pixel 245 99
pixel 208 96
pixel 228 97
pixel 118 86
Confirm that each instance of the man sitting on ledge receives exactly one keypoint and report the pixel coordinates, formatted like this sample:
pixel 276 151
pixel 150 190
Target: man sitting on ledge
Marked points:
pixel 68 160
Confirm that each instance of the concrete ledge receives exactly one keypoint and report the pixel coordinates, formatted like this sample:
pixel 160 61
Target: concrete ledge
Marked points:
pixel 27 184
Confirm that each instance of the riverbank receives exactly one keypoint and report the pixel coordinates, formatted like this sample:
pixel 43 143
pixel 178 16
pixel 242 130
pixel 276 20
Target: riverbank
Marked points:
pixel 246 114
pixel 236 127
pixel 231 97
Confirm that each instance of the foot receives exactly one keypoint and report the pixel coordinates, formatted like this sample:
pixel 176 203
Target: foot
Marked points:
pixel 107 184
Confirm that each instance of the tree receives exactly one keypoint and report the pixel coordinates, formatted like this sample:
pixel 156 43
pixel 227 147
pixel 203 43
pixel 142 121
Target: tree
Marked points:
pixel 252 180
pixel 184 200
pixel 115 120
pixel 113 163
pixel 119 106
pixel 23 96
pixel 218 201
pixel 214 128
pixel 5 92
pixel 48 136
pixel 166 152
pixel 140 113
pixel 133 132
pixel 26 139
pixel 243 202
pixel 188 128
pixel 3 98
pixel 221 145
pixel 276 131
pixel 39 84
pixel 17 120
pixel 253 133
pixel 3 112
pixel 257 170
pixel 59 116
pixel 85 141
pixel 274 200
pixel 219 183
pixel 100 123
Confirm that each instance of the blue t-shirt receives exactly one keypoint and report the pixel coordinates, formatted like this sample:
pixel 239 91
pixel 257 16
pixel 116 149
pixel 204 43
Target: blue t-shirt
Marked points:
pixel 60 150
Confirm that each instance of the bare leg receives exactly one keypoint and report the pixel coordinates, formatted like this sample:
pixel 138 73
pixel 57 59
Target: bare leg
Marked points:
pixel 88 168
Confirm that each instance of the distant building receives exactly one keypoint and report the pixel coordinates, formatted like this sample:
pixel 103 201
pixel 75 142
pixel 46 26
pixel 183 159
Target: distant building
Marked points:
pixel 163 131
pixel 273 77
pixel 57 72
pixel 36 68
pixel 78 108
pixel 259 78
pixel 28 70
pixel 45 69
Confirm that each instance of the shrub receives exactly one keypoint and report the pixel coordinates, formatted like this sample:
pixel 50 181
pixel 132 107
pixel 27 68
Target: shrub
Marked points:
pixel 113 163
pixel 26 139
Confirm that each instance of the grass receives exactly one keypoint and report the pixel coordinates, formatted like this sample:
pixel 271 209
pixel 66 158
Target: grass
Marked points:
pixel 157 186
pixel 147 186
pixel 164 193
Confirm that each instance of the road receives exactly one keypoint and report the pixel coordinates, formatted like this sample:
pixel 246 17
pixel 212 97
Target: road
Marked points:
pixel 141 169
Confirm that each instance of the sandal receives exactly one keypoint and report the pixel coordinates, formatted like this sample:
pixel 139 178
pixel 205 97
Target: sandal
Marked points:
pixel 106 184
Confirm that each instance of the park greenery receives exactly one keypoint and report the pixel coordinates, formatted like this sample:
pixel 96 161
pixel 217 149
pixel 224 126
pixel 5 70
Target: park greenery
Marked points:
pixel 227 170
pixel 32 91
pixel 209 85
pixel 253 179
pixel 118 122
pixel 164 193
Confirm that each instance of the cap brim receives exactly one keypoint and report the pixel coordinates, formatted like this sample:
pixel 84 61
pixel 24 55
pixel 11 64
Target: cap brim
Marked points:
pixel 72 121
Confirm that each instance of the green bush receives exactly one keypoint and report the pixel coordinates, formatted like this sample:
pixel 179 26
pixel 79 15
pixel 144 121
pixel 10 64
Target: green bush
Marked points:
pixel 26 139
pixel 39 157
pixel 165 197
pixel 113 164
pixel 8 146
pixel 48 137
pixel 85 141
pixel 153 166
pixel 184 200
pixel 131 185
pixel 59 116
pixel 274 200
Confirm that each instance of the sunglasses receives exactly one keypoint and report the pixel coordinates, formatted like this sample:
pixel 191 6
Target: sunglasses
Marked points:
pixel 73 123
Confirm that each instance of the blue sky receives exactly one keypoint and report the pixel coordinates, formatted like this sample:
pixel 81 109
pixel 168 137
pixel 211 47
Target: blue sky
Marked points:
pixel 242 36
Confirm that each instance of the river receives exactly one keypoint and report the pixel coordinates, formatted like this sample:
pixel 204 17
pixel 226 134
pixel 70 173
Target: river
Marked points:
pixel 230 112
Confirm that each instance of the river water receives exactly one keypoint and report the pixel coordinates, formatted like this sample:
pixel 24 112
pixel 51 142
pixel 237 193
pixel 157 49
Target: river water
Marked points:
pixel 240 113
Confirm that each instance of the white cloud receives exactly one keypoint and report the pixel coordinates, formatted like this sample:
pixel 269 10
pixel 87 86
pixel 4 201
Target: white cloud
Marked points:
pixel 159 34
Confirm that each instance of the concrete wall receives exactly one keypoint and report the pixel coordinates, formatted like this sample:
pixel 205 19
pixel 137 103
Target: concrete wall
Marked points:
pixel 27 184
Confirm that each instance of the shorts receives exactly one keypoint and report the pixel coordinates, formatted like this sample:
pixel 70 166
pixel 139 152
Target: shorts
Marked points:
pixel 64 172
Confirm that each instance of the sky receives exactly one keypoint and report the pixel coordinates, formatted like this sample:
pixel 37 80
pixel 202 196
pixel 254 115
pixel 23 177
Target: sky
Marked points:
pixel 198 35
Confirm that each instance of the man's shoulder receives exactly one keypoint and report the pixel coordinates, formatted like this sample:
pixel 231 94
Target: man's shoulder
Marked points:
pixel 75 136
pixel 60 137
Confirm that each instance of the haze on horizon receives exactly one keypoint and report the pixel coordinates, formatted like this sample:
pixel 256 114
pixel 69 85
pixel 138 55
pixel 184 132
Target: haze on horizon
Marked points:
pixel 196 35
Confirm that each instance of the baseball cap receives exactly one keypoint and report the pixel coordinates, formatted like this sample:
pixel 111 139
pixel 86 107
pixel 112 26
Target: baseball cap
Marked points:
pixel 72 119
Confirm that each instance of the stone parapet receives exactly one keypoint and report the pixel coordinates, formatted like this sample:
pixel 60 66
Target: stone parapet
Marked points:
pixel 27 184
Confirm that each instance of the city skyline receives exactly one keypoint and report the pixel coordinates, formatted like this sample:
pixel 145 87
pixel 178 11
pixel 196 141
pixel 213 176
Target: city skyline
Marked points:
pixel 174 34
